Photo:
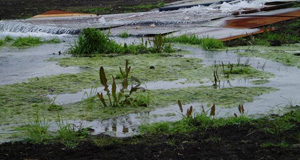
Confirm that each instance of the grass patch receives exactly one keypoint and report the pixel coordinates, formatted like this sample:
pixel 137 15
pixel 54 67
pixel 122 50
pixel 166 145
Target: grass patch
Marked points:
pixel 190 124
pixel 205 43
pixel 27 41
pixel 93 42
pixel 8 39
pixel 1 42
pixel 32 41
pixel 124 35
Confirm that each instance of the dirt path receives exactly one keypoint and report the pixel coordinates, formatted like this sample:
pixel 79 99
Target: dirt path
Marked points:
pixel 14 9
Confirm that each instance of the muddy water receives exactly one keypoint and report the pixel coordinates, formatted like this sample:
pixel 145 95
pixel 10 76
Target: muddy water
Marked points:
pixel 286 80
pixel 17 65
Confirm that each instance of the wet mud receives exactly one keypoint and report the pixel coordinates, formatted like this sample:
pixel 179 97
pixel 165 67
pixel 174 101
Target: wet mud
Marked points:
pixel 228 142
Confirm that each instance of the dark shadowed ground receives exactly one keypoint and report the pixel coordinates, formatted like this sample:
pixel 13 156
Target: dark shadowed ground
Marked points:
pixel 228 142
pixel 14 9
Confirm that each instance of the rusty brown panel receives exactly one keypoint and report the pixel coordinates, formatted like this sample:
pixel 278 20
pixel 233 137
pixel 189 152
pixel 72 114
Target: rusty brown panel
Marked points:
pixel 258 21
pixel 58 13
pixel 246 35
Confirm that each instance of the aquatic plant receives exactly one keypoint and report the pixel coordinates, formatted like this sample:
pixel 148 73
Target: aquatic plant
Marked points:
pixel 205 43
pixel 123 97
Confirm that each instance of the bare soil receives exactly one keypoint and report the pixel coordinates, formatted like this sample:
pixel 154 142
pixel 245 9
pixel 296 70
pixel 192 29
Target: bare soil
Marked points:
pixel 228 142
pixel 14 9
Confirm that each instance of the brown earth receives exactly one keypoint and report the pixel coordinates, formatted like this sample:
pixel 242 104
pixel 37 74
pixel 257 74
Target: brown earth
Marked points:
pixel 14 9
pixel 228 142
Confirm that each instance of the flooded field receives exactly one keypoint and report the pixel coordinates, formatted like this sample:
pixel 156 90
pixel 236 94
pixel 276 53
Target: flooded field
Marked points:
pixel 45 80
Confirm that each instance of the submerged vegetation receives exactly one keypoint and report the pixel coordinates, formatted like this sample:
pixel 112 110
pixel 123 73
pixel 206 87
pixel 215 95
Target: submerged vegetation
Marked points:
pixel 205 43
pixel 93 42
pixel 287 54
pixel 29 41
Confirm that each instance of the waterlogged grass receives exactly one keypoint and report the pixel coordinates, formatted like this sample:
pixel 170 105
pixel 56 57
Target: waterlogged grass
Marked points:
pixel 205 43
pixel 20 101
pixel 92 108
pixel 29 41
pixel 273 126
pixel 167 67
pixel 186 125
pixel 278 54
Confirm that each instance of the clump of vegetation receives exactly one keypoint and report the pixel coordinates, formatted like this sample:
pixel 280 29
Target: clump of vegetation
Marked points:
pixel 1 42
pixel 93 41
pixel 68 134
pixel 124 35
pixel 38 131
pixel 123 97
pixel 27 41
pixel 205 43
pixel 206 119
pixel 8 39
pixel 32 41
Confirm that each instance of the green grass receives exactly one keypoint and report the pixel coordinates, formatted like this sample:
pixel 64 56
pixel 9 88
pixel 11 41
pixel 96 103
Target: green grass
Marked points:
pixel 38 131
pixel 205 43
pixel 189 124
pixel 1 42
pixel 93 42
pixel 8 39
pixel 32 41
pixel 281 145
pixel 27 41
pixel 124 35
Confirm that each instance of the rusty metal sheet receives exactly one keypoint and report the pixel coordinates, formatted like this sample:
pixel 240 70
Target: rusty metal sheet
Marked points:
pixel 58 13
pixel 143 30
pixel 256 21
